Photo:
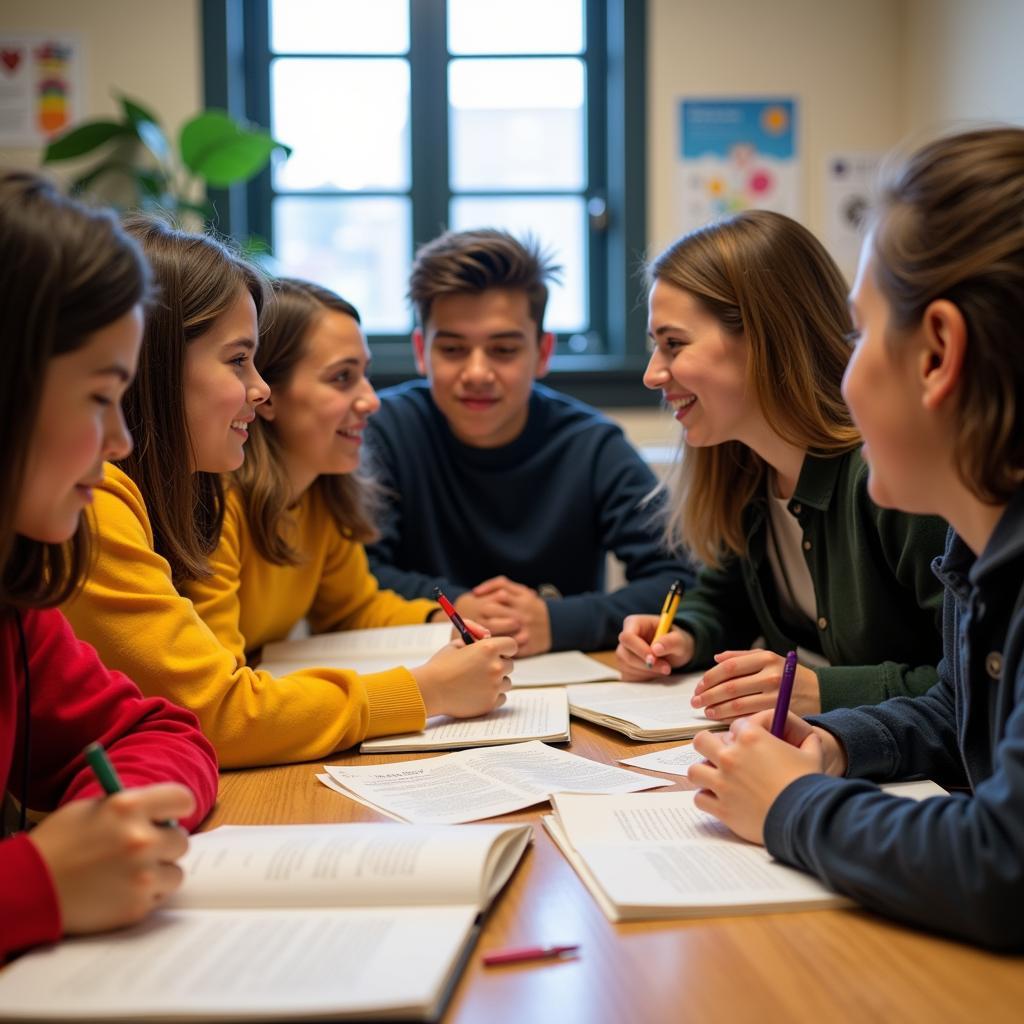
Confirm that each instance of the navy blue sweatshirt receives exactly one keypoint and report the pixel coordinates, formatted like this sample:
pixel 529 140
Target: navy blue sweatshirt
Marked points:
pixel 954 864
pixel 544 509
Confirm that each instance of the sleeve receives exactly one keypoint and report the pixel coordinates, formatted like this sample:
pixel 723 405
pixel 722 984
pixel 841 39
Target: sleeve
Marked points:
pixel 383 554
pixel 628 527
pixel 349 597
pixel 953 864
pixel 139 622
pixel 76 700
pixel 718 613
pixel 907 543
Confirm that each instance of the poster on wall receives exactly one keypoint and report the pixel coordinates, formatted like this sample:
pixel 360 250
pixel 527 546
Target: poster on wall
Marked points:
pixel 736 154
pixel 849 182
pixel 40 86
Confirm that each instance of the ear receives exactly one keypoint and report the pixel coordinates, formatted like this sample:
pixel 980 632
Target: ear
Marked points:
pixel 941 360
pixel 266 409
pixel 547 348
pixel 419 351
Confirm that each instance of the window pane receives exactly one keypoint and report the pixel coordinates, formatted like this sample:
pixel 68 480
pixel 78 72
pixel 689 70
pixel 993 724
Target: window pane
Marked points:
pixel 559 224
pixel 341 140
pixel 358 247
pixel 516 124
pixel 525 26
pixel 339 26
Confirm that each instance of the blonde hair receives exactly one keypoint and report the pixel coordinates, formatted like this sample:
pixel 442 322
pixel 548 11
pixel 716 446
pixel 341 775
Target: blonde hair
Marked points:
pixel 767 278
pixel 950 224
pixel 352 499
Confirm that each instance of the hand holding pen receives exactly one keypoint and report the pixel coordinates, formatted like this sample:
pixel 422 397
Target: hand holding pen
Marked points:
pixel 668 614
pixel 110 860
pixel 468 636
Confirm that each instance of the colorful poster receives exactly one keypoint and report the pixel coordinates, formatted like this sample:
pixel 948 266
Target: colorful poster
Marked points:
pixel 849 181
pixel 40 86
pixel 736 154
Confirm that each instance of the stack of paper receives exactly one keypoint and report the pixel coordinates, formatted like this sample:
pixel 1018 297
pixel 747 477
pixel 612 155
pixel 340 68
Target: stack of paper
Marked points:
pixel 478 784
pixel 525 715
pixel 643 711
pixel 654 855
pixel 376 650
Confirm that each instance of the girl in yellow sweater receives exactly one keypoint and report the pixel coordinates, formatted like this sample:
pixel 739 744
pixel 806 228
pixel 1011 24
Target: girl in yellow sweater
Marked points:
pixel 297 512
pixel 159 515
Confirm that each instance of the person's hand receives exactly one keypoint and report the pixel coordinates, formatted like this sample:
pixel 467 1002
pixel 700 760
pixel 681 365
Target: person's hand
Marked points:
pixel 670 652
pixel 467 681
pixel 746 768
pixel 490 613
pixel 523 605
pixel 110 862
pixel 743 682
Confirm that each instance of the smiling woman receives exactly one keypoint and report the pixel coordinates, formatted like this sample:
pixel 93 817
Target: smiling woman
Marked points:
pixel 750 327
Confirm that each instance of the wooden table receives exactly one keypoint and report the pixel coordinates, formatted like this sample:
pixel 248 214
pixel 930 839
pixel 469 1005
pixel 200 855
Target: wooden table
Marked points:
pixel 820 966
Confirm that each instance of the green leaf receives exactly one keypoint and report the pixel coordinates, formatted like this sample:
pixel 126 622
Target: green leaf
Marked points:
pixel 136 112
pixel 84 139
pixel 221 151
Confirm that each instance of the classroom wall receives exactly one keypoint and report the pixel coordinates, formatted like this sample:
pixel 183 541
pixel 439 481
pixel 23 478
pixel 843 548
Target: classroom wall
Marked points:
pixel 964 63
pixel 149 49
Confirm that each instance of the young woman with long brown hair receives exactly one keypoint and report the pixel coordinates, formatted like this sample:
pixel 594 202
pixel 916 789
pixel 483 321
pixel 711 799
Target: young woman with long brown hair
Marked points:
pixel 750 332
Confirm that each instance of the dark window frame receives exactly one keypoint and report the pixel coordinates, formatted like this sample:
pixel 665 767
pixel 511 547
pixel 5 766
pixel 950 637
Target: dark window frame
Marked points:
pixel 236 50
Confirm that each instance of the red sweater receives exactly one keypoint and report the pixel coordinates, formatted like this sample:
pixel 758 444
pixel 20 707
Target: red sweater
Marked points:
pixel 75 700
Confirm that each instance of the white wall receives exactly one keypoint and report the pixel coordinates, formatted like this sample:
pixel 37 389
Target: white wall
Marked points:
pixel 149 49
pixel 841 60
pixel 965 62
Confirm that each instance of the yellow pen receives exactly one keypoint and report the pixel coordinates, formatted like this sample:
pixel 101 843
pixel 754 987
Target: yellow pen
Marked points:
pixel 668 614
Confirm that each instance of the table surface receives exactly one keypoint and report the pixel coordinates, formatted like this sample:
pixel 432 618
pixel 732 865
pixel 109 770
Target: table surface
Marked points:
pixel 823 966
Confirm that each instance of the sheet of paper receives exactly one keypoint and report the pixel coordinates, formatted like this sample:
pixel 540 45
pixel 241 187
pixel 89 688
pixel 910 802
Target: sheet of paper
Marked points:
pixel 475 784
pixel 647 705
pixel 561 668
pixel 674 761
pixel 526 715
pixel 247 964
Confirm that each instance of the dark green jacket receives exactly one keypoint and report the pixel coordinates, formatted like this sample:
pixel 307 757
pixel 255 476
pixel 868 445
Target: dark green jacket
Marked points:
pixel 878 603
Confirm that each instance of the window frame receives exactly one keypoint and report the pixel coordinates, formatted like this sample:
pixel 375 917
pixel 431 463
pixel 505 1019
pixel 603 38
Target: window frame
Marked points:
pixel 237 57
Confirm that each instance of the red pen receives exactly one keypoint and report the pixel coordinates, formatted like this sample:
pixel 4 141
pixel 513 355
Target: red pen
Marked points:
pixel 449 609
pixel 515 956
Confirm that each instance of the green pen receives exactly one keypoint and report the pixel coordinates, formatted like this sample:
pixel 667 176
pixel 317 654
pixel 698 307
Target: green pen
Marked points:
pixel 107 775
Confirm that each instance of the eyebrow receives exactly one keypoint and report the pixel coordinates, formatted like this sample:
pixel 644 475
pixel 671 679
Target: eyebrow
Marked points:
pixel 667 329
pixel 497 336
pixel 114 370
pixel 346 361
pixel 247 343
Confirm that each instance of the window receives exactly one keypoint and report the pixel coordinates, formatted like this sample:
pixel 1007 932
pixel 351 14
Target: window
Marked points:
pixel 409 116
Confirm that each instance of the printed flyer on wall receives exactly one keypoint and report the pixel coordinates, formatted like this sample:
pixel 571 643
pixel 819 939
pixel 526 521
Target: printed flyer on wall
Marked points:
pixel 40 86
pixel 736 154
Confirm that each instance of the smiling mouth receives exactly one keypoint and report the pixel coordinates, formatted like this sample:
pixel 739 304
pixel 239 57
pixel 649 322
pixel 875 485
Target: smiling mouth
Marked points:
pixel 478 401
pixel 678 404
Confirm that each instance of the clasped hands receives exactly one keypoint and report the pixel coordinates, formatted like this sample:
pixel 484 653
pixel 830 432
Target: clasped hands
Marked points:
pixel 507 608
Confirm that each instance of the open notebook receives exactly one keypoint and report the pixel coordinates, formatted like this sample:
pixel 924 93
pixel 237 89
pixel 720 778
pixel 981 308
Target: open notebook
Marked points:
pixel 644 711
pixel 655 855
pixel 286 921
pixel 376 650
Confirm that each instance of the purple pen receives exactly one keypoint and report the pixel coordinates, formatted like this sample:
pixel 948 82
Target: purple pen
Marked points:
pixel 785 693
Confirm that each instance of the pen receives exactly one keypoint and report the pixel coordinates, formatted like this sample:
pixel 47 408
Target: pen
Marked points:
pixel 523 953
pixel 449 610
pixel 668 614
pixel 106 773
pixel 785 693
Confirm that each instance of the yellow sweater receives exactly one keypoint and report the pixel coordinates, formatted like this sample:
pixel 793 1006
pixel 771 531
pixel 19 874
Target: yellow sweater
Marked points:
pixel 249 602
pixel 131 612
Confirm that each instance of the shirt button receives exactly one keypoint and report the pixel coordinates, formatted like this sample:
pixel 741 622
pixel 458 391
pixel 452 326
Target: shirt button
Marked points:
pixel 822 622
pixel 994 664
pixel 807 545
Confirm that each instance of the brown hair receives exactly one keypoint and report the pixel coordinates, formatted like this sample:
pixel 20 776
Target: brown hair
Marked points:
pixel 767 278
pixel 471 262
pixel 66 272
pixel 199 278
pixel 950 225
pixel 262 479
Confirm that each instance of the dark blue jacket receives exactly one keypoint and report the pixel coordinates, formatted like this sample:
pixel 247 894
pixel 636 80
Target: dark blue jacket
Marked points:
pixel 544 509
pixel 954 864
